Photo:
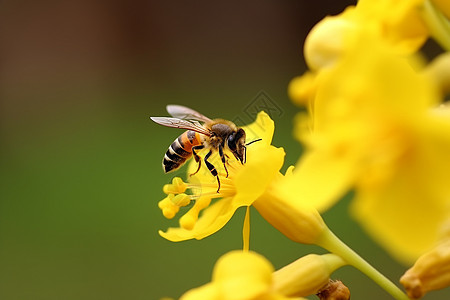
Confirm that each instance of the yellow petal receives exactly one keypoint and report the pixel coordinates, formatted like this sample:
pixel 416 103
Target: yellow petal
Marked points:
pixel 262 128
pixel 320 179
pixel 406 213
pixel 400 217
pixel 263 164
pixel 212 220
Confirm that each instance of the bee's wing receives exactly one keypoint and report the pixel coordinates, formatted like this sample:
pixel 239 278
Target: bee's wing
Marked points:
pixel 183 124
pixel 186 113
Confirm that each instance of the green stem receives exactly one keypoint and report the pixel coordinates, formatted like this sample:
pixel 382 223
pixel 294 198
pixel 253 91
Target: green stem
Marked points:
pixel 333 244
pixel 437 24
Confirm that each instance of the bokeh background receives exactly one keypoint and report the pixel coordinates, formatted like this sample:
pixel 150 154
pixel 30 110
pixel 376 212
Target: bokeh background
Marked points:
pixel 80 164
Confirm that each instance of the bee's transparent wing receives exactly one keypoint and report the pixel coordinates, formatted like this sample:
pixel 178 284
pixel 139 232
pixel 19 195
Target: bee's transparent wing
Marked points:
pixel 186 113
pixel 179 123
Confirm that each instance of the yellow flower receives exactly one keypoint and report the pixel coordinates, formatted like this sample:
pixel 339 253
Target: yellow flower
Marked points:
pixel 255 183
pixel 372 129
pixel 249 276
pixel 244 184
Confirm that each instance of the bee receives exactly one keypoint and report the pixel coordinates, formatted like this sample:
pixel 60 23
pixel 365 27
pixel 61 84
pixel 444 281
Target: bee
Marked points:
pixel 213 134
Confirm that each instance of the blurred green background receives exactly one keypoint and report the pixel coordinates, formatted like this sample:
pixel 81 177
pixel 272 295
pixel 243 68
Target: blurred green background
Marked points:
pixel 80 164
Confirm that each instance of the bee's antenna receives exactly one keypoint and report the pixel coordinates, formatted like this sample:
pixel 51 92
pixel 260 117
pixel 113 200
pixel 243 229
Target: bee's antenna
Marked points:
pixel 245 155
pixel 249 143
pixel 245 148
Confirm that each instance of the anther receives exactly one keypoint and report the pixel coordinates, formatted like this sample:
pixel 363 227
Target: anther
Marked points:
pixel 176 187
pixel 169 209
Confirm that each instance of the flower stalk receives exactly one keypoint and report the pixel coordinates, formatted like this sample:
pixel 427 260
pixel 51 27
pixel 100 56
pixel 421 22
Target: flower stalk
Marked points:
pixel 332 243
pixel 246 231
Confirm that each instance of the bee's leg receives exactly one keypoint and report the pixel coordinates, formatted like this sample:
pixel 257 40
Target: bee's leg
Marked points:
pixel 223 158
pixel 197 158
pixel 211 168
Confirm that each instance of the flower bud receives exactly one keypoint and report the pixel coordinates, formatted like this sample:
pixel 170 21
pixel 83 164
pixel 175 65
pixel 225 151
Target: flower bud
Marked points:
pixel 292 217
pixel 430 272
pixel 307 275
pixel 325 43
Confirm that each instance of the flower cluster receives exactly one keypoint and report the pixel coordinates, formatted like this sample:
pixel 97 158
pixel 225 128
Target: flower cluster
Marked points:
pixel 376 122
pixel 374 125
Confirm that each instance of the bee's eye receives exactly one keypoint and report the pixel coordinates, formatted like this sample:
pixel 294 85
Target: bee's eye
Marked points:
pixel 232 141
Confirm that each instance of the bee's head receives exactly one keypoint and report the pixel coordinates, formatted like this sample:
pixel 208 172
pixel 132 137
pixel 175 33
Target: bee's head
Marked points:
pixel 236 143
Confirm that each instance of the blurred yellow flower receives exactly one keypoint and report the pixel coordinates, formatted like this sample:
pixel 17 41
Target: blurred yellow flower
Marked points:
pixel 249 276
pixel 398 24
pixel 372 129
pixel 244 184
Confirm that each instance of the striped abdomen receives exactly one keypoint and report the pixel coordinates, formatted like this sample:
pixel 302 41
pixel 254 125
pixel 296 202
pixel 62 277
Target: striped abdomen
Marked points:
pixel 180 150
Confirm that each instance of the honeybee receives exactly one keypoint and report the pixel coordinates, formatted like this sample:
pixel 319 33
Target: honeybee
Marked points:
pixel 213 134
